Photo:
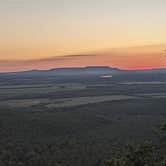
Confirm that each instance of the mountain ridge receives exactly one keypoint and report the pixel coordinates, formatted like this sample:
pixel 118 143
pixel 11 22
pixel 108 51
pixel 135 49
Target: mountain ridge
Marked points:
pixel 87 70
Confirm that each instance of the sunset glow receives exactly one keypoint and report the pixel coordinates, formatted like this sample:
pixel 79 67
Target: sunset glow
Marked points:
pixel 44 34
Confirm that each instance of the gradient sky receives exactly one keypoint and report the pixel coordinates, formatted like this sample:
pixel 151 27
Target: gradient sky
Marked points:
pixel 36 29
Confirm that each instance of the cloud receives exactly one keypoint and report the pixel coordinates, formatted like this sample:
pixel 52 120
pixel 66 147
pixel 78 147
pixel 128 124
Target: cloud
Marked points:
pixel 65 57
pixel 126 58
pixel 45 63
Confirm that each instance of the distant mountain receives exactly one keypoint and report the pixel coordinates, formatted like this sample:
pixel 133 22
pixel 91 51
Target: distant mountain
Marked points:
pixel 89 70
pixel 149 71
pixel 159 70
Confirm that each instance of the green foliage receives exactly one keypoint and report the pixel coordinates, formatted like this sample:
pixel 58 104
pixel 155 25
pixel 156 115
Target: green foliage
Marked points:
pixel 146 154
pixel 139 155
pixel 134 156
pixel 81 136
pixel 163 127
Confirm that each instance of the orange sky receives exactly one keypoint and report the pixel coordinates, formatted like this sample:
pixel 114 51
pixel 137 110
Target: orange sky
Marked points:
pixel 145 57
pixel 42 29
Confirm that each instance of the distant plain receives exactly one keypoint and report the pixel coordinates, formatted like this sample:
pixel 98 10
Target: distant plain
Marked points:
pixel 84 119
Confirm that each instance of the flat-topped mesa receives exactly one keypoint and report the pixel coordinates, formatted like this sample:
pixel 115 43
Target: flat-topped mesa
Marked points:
pixel 88 70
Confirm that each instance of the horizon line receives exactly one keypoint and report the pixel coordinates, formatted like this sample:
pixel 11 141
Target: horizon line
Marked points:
pixel 83 67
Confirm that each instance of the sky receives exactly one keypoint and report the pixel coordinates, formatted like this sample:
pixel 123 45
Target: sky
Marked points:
pixel 42 34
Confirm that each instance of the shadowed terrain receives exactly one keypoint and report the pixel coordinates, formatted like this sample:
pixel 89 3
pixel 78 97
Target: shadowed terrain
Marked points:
pixel 77 120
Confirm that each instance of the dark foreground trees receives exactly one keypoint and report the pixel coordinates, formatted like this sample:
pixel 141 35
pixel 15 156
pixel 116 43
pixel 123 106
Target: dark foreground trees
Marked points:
pixel 140 155
pixel 145 154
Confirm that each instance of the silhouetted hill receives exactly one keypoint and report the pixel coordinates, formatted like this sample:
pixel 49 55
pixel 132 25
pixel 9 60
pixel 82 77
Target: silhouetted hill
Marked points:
pixel 89 70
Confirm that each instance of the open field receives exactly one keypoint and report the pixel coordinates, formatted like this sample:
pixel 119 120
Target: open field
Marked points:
pixel 144 82
pixel 78 122
pixel 72 102
pixel 64 102
pixel 31 90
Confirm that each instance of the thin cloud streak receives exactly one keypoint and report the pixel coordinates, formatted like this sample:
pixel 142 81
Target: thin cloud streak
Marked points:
pixel 146 57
